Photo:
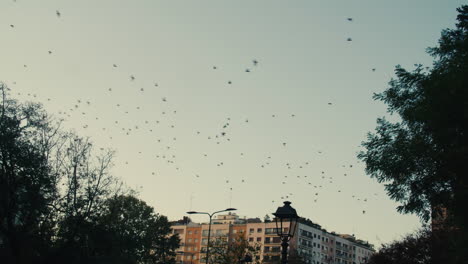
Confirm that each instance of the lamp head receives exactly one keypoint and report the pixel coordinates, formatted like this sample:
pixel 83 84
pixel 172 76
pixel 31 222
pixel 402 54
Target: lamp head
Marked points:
pixel 286 215
pixel 286 212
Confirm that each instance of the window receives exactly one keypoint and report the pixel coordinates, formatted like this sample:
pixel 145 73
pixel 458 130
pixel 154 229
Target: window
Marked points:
pixel 259 239
pixel 251 239
pixel 190 232
pixel 315 235
pixel 251 230
pixel 234 231
pixel 196 240
pixel 267 239
pixel 259 230
pixel 189 240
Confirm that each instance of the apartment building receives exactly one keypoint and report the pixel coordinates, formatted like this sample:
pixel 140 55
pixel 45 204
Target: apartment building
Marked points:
pixel 312 243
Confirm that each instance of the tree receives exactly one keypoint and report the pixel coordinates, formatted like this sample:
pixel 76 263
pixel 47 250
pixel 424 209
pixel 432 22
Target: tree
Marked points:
pixel 413 248
pixel 422 159
pixel 130 231
pixel 26 187
pixel 59 201
pixel 236 250
pixel 85 183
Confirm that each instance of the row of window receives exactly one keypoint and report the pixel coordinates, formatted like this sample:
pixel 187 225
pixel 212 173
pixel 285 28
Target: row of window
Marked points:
pixel 252 230
pixel 310 235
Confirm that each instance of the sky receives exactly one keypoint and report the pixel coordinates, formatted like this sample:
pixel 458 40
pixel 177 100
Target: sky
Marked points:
pixel 197 125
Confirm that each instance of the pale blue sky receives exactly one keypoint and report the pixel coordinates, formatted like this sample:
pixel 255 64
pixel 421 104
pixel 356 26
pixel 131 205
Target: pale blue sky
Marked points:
pixel 304 60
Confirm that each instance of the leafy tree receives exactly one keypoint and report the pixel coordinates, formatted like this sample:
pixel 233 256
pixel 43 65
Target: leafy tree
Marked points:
pixel 59 202
pixel 129 230
pixel 413 248
pixel 236 250
pixel 26 187
pixel 422 158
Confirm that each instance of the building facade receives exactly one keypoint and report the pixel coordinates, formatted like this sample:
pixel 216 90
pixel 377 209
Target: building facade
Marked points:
pixel 312 243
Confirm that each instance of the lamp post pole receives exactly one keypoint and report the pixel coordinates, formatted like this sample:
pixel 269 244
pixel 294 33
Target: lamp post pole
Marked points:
pixel 284 249
pixel 209 227
pixel 208 242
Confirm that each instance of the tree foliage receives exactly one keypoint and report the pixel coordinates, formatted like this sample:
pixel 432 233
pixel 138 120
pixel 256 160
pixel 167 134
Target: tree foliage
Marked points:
pixel 413 248
pixel 424 246
pixel 223 251
pixel 57 193
pixel 422 159
pixel 129 229
pixel 26 188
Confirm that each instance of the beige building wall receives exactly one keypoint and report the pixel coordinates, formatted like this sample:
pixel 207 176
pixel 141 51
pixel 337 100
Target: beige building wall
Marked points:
pixel 314 244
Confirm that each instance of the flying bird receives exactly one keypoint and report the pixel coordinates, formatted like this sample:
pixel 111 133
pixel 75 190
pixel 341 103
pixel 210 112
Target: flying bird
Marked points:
pixel 350 19
pixel 349 39
pixel 58 13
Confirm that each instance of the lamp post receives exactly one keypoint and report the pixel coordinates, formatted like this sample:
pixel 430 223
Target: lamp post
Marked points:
pixel 285 215
pixel 209 227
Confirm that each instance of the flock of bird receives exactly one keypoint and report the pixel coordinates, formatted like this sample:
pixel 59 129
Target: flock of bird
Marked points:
pixel 300 172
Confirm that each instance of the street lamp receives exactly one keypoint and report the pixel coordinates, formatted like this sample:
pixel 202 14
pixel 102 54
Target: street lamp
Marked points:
pixel 285 215
pixel 209 226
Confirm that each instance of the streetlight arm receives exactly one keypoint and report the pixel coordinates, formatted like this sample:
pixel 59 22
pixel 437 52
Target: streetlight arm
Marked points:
pixel 209 227
pixel 218 212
